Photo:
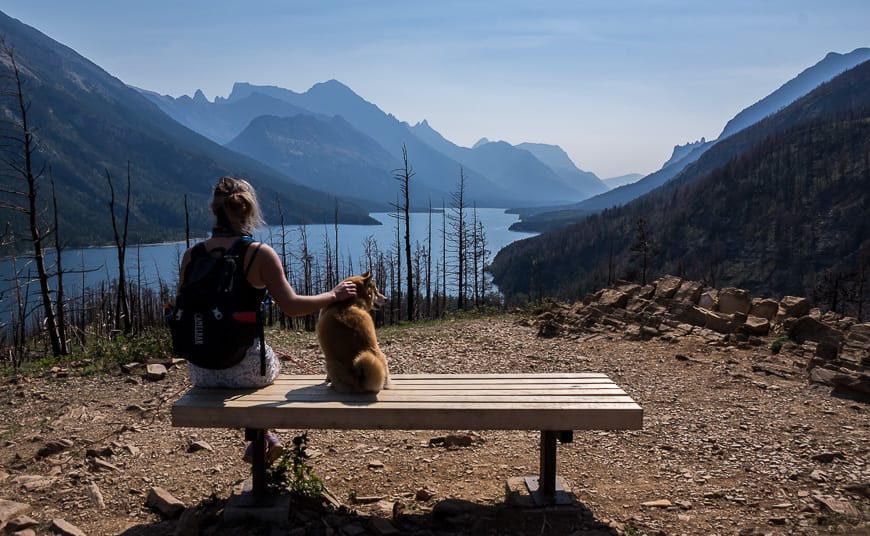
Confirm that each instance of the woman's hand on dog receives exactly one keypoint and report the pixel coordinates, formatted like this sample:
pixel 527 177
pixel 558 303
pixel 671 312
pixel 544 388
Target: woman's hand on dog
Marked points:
pixel 344 290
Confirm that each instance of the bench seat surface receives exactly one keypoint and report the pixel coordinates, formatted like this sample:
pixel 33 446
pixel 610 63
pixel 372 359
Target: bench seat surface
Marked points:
pixel 556 401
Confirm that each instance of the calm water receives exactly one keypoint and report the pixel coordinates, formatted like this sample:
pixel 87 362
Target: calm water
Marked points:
pixel 152 264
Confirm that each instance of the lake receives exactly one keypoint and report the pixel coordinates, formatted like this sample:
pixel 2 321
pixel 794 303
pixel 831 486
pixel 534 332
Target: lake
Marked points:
pixel 154 263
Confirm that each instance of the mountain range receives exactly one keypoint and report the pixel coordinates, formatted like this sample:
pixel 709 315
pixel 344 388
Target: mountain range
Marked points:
pixel 781 207
pixel 497 175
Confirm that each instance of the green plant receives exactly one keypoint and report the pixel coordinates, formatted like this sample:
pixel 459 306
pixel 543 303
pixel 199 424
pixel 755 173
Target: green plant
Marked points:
pixel 292 472
pixel 631 531
pixel 776 345
pixel 106 353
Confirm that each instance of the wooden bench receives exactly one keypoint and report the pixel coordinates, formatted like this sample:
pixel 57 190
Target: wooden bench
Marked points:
pixel 556 404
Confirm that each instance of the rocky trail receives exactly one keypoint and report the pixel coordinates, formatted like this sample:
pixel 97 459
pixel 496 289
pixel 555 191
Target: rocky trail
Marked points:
pixel 736 439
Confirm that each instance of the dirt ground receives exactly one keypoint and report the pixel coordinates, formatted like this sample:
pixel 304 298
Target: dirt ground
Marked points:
pixel 727 447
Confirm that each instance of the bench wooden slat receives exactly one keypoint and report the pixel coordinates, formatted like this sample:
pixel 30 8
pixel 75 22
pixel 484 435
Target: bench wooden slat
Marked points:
pixel 573 376
pixel 438 395
pixel 473 381
pixel 320 399
pixel 456 417
pixel 417 402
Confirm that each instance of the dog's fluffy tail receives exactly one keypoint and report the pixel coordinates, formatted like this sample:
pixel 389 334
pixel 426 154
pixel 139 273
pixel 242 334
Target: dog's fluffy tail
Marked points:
pixel 371 371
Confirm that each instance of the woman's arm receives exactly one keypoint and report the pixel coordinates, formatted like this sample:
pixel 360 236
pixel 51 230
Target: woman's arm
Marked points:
pixel 267 271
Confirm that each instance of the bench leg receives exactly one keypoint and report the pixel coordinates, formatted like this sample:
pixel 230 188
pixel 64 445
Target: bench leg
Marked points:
pixel 547 473
pixel 546 488
pixel 258 460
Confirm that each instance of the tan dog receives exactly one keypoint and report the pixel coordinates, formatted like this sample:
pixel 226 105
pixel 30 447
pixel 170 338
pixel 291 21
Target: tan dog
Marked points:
pixel 346 333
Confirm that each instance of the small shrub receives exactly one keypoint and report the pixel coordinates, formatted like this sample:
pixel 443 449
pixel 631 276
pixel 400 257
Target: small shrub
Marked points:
pixel 292 472
pixel 121 349
pixel 777 344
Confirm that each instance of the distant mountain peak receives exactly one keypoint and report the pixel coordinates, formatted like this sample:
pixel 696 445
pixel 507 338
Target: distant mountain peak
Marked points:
pixel 481 141
pixel 681 151
pixel 332 86
pixel 199 97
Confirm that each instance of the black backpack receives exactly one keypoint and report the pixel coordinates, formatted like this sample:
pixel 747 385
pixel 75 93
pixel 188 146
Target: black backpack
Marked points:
pixel 211 326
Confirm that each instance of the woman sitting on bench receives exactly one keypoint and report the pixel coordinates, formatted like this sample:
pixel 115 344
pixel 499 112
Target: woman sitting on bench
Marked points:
pixel 237 214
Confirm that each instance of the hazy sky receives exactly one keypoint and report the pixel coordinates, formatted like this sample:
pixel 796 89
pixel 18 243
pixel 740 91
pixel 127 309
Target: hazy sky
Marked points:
pixel 615 83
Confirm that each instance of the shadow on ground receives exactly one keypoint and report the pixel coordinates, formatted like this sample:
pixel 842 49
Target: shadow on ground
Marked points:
pixel 447 517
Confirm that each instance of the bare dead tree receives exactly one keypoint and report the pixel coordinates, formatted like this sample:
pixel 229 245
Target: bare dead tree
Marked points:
pixel 370 250
pixel 403 211
pixel 122 303
pixel 459 238
pixel 475 257
pixel 186 223
pixel 19 327
pixel 337 274
pixel 61 299
pixel 328 261
pixel 285 257
pixel 396 275
pixel 642 247
pixel 306 259
pixel 443 307
pixel 429 264
pixel 19 147
pixel 420 258
pixel 482 253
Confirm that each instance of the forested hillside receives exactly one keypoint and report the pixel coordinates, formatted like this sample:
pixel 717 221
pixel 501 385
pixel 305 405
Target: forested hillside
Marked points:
pixel 782 208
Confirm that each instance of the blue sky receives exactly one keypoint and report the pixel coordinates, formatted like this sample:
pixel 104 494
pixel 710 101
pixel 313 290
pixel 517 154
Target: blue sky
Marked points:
pixel 615 83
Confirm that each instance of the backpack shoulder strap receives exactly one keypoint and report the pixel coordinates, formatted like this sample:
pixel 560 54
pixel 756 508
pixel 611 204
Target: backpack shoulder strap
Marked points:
pixel 253 256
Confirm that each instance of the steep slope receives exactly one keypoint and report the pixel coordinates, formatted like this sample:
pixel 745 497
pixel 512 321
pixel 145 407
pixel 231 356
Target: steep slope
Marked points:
pixel 329 154
pixel 778 208
pixel 683 156
pixel 831 65
pixel 88 123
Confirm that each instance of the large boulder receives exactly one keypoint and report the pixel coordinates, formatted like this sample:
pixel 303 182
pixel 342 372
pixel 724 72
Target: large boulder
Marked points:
pixel 807 328
pixel 721 322
pixel 756 325
pixel 613 298
pixel 856 346
pixel 709 299
pixel 854 385
pixel 689 291
pixel 764 308
pixel 667 286
pixel 734 300
pixel 859 334
pixel 690 314
pixel 631 289
pixel 792 307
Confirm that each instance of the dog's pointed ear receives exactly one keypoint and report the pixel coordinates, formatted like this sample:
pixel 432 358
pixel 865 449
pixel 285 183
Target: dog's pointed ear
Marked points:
pixel 367 276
